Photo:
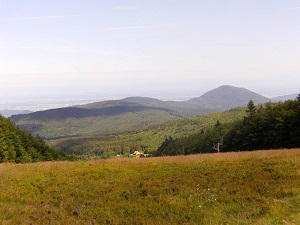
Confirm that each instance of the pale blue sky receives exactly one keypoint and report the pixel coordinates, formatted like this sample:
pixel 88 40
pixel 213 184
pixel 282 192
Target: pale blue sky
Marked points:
pixel 159 47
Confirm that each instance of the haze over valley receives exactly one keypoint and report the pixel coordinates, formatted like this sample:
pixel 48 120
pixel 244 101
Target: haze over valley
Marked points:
pixel 53 55
pixel 14 105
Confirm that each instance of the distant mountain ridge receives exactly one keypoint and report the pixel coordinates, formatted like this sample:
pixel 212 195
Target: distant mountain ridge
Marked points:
pixel 222 98
pixel 226 97
pixel 285 98
pixel 132 113
pixel 81 112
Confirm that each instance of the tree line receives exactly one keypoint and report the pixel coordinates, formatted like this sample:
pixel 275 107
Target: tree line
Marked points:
pixel 21 147
pixel 267 126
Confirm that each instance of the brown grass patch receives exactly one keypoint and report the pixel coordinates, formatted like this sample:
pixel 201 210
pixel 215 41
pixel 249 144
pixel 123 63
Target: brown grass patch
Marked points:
pixel 212 156
pixel 260 187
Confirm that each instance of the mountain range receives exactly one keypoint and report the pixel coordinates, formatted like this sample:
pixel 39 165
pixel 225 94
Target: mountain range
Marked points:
pixel 284 98
pixel 129 114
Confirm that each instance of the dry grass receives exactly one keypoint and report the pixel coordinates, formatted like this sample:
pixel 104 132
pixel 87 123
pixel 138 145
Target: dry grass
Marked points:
pixel 260 187
pixel 214 157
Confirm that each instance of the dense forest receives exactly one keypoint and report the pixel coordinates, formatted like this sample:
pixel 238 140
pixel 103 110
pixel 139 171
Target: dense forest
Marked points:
pixel 20 146
pixel 267 126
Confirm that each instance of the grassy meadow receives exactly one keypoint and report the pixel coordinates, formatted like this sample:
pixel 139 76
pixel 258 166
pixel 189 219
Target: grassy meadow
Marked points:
pixel 261 187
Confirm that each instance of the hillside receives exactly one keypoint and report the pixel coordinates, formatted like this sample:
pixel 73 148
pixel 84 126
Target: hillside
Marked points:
pixel 68 122
pixel 110 145
pixel 129 114
pixel 181 107
pixel 19 146
pixel 250 188
pixel 268 126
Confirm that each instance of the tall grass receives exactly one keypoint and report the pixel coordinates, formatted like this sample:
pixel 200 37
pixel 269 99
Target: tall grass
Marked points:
pixel 260 187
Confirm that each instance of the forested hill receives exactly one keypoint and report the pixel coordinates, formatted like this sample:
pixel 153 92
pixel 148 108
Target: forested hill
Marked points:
pixel 81 113
pixel 268 126
pixel 19 146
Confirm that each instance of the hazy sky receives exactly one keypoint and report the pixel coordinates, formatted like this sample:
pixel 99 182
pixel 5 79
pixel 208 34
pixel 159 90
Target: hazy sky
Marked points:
pixel 155 47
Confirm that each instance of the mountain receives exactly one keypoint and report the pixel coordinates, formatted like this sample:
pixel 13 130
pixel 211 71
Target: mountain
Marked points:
pixel 10 112
pixel 222 98
pixel 19 146
pixel 226 97
pixel 180 108
pixel 183 108
pixel 83 112
pixel 285 98
pixel 129 114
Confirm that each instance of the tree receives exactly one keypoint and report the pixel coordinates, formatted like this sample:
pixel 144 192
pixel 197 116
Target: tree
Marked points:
pixel 251 109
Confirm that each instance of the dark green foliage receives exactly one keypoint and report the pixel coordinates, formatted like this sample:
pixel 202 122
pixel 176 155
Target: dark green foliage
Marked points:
pixel 202 142
pixel 251 109
pixel 20 147
pixel 269 126
pixel 272 126
pixel 168 146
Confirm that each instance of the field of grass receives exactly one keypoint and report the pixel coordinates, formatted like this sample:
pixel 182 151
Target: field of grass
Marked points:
pixel 261 187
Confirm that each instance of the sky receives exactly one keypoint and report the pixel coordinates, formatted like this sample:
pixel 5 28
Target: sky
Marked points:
pixel 101 49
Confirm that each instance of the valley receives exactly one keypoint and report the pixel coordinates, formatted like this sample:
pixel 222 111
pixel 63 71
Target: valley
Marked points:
pixel 145 140
pixel 119 127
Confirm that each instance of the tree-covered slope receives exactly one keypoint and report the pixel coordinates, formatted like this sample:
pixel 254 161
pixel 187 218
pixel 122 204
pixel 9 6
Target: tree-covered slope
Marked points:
pixel 269 126
pixel 19 146
pixel 70 122
pixel 145 140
